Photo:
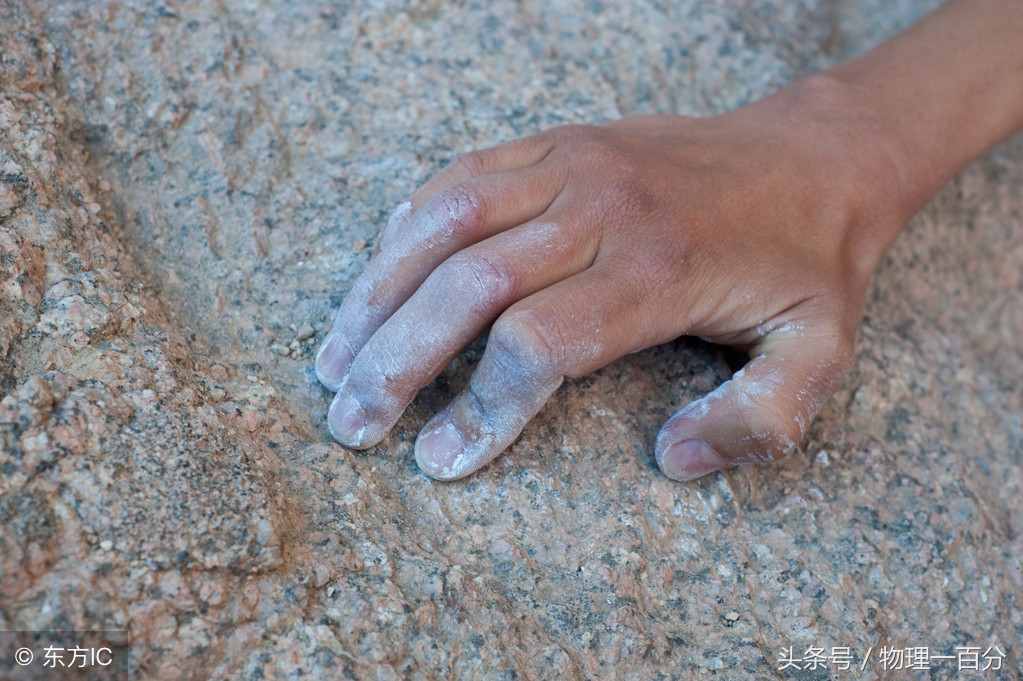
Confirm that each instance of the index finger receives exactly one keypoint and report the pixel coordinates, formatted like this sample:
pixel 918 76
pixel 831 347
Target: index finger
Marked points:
pixel 502 158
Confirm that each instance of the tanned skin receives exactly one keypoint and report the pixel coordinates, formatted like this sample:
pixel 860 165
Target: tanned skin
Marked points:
pixel 759 229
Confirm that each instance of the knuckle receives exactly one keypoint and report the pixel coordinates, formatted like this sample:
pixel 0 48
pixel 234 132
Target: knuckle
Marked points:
pixel 842 351
pixel 597 150
pixel 527 344
pixel 648 269
pixel 476 162
pixel 770 437
pixel 484 280
pixel 570 134
pixel 771 430
pixel 630 200
pixel 371 369
pixel 380 379
pixel 628 194
pixel 822 381
pixel 462 210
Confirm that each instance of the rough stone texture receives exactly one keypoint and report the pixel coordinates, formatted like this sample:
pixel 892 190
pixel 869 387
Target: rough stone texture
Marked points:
pixel 188 189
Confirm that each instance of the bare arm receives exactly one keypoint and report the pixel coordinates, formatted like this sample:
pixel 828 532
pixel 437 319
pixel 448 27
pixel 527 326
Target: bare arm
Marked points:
pixel 944 91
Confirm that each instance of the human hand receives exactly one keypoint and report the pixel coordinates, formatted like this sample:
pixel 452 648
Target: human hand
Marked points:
pixel 757 229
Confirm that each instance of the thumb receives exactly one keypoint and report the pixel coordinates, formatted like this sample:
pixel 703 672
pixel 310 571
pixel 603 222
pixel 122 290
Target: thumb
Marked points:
pixel 763 411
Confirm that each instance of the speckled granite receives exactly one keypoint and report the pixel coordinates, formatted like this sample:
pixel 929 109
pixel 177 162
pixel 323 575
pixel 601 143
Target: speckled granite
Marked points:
pixel 188 189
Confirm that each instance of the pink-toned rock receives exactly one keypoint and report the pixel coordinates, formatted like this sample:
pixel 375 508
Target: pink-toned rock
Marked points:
pixel 181 186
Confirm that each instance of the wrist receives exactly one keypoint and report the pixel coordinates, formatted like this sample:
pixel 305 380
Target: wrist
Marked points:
pixel 852 160
pixel 941 93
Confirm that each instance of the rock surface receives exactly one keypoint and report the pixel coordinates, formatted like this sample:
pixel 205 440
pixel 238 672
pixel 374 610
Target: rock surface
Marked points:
pixel 187 189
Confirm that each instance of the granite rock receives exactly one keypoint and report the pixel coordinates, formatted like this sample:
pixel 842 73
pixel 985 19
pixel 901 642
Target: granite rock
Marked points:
pixel 187 190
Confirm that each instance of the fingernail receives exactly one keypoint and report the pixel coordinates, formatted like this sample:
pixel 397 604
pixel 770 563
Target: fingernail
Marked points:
pixel 439 451
pixel 690 460
pixel 347 420
pixel 333 361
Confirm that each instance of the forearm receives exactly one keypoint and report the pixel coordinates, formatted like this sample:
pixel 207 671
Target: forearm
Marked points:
pixel 943 92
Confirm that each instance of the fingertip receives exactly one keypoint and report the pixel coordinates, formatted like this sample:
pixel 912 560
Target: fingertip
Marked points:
pixel 440 451
pixel 333 361
pixel 347 421
pixel 688 460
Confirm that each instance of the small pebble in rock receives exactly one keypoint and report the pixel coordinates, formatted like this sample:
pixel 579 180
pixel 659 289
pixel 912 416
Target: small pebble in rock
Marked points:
pixel 281 350
pixel 731 618
pixel 251 378
pixel 106 544
pixel 305 331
